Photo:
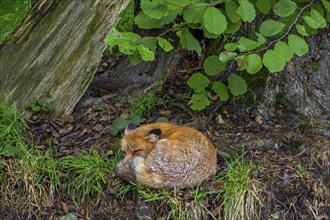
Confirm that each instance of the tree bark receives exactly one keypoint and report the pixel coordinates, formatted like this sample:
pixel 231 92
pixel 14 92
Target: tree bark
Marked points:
pixel 54 54
pixel 303 87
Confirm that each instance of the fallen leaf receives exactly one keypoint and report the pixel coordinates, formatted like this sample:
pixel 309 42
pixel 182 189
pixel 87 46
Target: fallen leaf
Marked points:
pixel 64 207
pixel 98 127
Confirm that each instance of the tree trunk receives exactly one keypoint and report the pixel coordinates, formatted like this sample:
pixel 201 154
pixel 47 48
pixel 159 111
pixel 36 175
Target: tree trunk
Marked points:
pixel 54 54
pixel 304 88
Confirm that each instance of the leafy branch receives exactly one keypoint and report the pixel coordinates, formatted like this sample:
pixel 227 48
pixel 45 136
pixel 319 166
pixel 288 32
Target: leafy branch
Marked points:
pixel 252 55
pixel 289 29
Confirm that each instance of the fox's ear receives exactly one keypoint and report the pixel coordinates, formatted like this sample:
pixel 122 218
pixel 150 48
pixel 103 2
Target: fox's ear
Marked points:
pixel 130 127
pixel 154 135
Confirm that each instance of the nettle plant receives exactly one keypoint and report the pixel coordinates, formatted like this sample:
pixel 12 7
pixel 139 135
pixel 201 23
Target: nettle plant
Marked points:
pixel 280 36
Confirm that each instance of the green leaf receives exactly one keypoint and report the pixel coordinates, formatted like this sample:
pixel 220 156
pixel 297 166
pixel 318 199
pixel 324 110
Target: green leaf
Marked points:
pixel 231 9
pixel 273 61
pixel 164 44
pixel 316 20
pixel 301 30
pixel 134 58
pixel 284 8
pixel 145 53
pixel 69 216
pixel 261 39
pixel 188 41
pixel 326 5
pixel 297 45
pixel 283 49
pixel 207 34
pixel 246 10
pixel 162 119
pixel 145 22
pixel 118 125
pixel 127 48
pixel 226 56
pixel 9 150
pixel 36 108
pixel 158 11
pixel 233 27
pixel 318 8
pixel 170 17
pixel 194 13
pixel 150 43
pixel 221 90
pixel 230 46
pixel 310 31
pixel 155 8
pixel 176 3
pixel 271 27
pixel 264 6
pixel 242 62
pixel 213 66
pixel 198 82
pixel 245 44
pixel 254 63
pixel 236 84
pixel 214 21
pixel 200 100
pixel 136 118
pixel 126 20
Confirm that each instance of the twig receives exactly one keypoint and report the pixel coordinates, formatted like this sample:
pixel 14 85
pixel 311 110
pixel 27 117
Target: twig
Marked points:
pixel 287 32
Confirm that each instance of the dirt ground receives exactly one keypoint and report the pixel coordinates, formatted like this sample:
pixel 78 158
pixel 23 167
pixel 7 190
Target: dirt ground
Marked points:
pixel 294 168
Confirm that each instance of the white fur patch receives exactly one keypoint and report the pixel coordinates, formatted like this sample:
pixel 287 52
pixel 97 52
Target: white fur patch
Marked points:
pixel 123 144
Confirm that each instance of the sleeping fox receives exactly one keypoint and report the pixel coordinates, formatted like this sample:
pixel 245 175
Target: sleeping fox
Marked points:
pixel 164 155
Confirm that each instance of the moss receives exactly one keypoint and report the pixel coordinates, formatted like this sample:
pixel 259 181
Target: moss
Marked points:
pixel 86 81
pixel 280 100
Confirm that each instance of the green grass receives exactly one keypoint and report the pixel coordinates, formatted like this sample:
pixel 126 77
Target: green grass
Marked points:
pixel 85 175
pixel 238 197
pixel 178 204
pixel 29 177
pixel 144 105
pixel 12 13
pixel 29 180
pixel 26 175
pixel 11 129
pixel 240 191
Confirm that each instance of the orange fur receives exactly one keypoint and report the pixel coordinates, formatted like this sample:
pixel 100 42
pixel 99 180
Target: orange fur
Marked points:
pixel 176 157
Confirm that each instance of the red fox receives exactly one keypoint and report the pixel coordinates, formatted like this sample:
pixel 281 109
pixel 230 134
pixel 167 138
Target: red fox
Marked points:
pixel 164 155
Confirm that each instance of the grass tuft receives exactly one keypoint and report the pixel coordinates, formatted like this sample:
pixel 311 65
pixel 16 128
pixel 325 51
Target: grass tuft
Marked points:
pixel 85 174
pixel 240 191
pixel 179 204
pixel 238 197
pixel 26 176
pixel 144 105
pixel 11 129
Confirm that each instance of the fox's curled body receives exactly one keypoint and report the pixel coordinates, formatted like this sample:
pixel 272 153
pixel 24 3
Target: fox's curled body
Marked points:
pixel 163 155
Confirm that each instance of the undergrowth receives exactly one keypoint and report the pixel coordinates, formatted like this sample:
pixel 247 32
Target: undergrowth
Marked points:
pixel 141 107
pixel 144 105
pixel 12 13
pixel 240 191
pixel 11 129
pixel 85 174
pixel 30 177
pixel 238 196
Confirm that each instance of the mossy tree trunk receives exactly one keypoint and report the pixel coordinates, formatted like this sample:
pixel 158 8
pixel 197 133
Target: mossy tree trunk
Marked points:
pixel 303 88
pixel 53 55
